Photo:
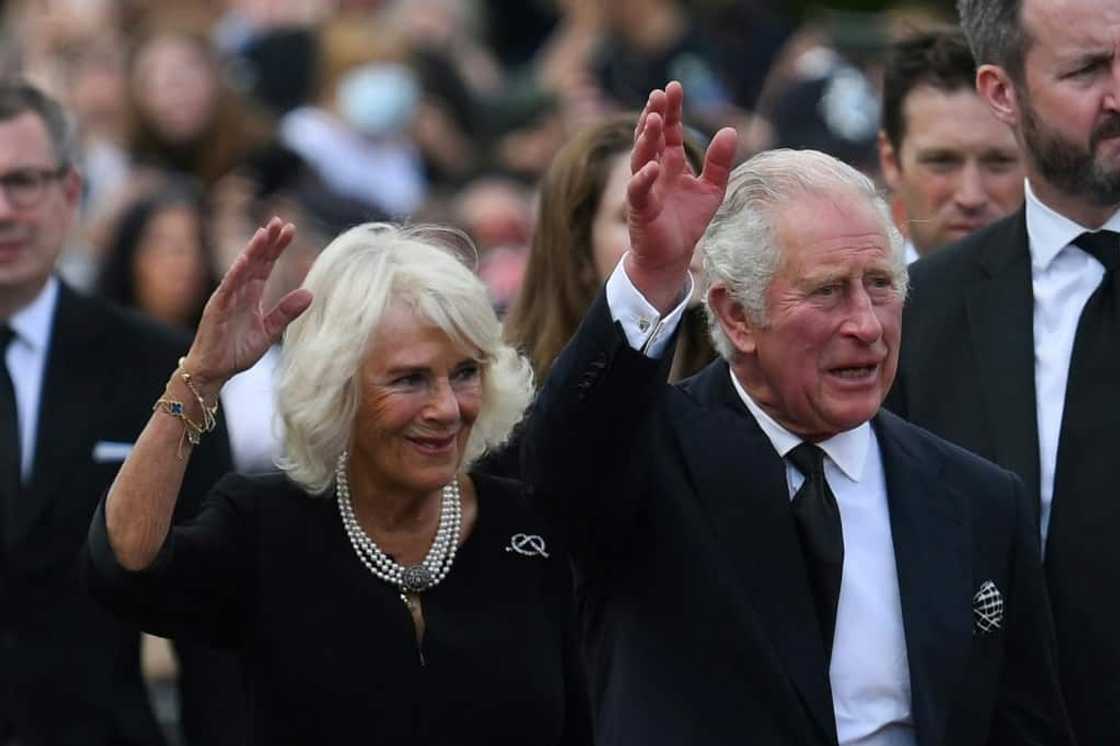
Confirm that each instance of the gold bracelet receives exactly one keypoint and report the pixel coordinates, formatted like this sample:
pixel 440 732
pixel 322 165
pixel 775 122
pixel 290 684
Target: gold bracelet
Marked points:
pixel 191 431
pixel 209 413
pixel 175 408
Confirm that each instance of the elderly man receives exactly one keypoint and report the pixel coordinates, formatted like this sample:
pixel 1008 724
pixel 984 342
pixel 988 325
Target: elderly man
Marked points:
pixel 1011 345
pixel 953 166
pixel 763 555
pixel 76 376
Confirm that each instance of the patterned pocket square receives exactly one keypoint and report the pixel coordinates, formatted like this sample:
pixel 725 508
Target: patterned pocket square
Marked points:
pixel 987 608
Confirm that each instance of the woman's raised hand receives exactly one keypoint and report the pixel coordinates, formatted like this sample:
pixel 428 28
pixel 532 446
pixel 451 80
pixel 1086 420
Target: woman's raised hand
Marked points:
pixel 235 331
pixel 669 206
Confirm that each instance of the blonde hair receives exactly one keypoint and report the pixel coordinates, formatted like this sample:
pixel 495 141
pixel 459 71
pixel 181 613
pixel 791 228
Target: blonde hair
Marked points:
pixel 353 281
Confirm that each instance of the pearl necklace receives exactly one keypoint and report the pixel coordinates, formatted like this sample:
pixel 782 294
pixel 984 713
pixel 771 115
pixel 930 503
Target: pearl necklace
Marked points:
pixel 407 578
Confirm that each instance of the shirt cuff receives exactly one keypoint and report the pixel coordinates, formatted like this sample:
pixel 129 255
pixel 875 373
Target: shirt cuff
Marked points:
pixel 646 330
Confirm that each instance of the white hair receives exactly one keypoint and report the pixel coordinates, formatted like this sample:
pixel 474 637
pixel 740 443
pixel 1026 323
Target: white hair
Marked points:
pixel 740 248
pixel 353 282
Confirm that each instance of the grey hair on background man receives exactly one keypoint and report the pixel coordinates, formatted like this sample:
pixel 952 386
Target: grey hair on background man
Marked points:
pixel 995 33
pixel 18 97
pixel 740 248
pixel 356 278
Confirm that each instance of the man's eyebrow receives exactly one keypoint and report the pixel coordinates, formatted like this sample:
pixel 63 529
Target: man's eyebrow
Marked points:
pixel 1084 58
pixel 938 152
pixel 821 278
pixel 998 150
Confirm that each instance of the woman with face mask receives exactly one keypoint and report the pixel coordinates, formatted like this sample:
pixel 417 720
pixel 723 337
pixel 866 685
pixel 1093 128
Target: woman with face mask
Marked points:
pixel 360 145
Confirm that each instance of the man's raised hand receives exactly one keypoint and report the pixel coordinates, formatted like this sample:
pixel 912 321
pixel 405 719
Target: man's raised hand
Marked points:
pixel 669 206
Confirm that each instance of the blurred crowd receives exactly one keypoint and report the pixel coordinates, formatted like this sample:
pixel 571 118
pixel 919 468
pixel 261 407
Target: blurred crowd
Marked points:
pixel 198 119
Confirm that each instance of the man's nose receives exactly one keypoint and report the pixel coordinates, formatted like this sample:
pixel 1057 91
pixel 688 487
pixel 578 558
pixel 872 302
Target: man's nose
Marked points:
pixel 1111 101
pixel 863 323
pixel 971 195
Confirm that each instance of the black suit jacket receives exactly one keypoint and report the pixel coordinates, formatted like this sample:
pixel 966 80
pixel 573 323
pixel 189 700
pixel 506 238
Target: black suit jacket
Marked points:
pixel 694 596
pixel 966 368
pixel 967 372
pixel 69 671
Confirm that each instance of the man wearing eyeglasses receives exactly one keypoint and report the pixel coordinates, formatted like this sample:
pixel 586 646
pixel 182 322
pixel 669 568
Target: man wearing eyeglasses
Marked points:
pixel 75 374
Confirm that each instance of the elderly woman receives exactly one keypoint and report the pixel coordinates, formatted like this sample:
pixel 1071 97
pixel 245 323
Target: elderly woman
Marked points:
pixel 379 592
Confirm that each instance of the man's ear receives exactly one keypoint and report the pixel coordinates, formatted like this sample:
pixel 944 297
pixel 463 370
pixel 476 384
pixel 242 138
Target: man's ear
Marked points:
pixel 997 89
pixel 733 319
pixel 72 188
pixel 888 162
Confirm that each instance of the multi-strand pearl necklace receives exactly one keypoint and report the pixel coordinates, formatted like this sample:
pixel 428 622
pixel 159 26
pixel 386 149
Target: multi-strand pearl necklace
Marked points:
pixel 407 578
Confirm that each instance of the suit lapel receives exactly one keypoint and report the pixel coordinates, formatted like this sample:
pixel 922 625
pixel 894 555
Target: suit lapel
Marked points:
pixel 742 483
pixel 69 403
pixel 929 533
pixel 1001 321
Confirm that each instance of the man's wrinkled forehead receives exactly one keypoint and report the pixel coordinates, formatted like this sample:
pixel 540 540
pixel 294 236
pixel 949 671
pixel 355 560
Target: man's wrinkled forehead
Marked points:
pixel 1067 29
pixel 832 227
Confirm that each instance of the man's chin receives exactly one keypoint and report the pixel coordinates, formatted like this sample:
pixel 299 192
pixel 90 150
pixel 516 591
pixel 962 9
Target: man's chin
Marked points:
pixel 950 236
pixel 850 414
pixel 1105 187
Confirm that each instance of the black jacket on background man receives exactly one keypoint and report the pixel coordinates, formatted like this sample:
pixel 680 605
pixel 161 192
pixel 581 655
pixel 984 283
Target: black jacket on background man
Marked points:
pixel 967 372
pixel 69 671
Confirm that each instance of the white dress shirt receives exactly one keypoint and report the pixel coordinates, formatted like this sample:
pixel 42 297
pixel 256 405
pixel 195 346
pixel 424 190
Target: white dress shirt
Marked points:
pixel 1062 277
pixel 645 329
pixel 870 673
pixel 27 359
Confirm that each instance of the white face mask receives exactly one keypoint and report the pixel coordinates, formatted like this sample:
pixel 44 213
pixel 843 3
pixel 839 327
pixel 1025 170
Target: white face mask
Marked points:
pixel 378 100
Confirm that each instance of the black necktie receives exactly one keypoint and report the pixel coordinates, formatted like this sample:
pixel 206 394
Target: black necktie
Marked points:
pixel 822 540
pixel 1081 537
pixel 9 432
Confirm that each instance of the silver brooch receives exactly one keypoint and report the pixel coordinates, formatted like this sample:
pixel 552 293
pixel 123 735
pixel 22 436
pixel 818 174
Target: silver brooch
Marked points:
pixel 527 544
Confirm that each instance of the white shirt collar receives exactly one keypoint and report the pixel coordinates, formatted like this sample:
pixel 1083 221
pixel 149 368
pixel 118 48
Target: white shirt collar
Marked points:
pixel 911 252
pixel 848 450
pixel 1049 232
pixel 32 323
